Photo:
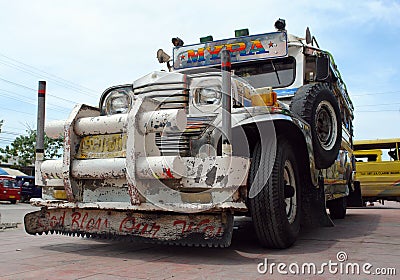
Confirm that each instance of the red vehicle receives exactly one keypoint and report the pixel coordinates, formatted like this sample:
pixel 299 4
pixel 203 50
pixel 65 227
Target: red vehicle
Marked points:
pixel 9 191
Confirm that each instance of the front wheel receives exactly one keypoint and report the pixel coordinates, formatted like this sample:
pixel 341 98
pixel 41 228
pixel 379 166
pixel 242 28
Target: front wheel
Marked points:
pixel 275 209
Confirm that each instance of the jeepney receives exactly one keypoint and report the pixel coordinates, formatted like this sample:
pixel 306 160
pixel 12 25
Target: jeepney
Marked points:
pixel 257 125
pixel 378 173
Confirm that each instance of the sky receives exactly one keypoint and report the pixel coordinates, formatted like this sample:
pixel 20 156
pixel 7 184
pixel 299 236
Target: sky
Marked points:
pixel 83 47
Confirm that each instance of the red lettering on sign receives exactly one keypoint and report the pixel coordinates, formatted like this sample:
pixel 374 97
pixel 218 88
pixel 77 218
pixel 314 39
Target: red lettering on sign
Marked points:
pixel 49 221
pixel 75 219
pixel 204 226
pixel 202 222
pixel 177 222
pixel 79 221
pixel 129 225
pixel 83 220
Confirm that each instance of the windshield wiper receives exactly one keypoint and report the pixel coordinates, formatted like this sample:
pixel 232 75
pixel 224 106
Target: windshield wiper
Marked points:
pixel 276 72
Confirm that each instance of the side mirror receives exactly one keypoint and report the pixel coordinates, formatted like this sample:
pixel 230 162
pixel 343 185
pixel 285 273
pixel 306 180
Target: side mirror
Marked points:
pixel 162 56
pixel 308 36
pixel 322 67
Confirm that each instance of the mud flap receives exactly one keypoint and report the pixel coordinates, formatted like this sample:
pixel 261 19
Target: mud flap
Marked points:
pixel 211 230
pixel 355 198
pixel 314 208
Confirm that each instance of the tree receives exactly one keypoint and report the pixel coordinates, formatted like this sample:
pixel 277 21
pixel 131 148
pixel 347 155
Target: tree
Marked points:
pixel 23 149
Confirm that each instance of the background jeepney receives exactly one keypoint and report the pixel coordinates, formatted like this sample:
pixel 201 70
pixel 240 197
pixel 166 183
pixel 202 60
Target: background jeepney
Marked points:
pixel 9 190
pixel 378 173
pixel 175 155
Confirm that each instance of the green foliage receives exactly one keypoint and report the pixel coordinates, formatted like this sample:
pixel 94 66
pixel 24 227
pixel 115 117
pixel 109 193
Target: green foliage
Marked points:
pixel 23 149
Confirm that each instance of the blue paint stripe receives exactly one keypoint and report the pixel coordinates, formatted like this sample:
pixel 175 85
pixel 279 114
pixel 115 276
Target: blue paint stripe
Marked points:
pixel 285 91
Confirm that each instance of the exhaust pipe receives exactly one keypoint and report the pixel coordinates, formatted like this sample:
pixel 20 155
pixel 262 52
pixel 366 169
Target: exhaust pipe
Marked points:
pixel 40 133
pixel 226 103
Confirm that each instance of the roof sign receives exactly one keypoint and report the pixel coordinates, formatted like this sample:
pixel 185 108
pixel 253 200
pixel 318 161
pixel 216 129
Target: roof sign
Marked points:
pixel 246 48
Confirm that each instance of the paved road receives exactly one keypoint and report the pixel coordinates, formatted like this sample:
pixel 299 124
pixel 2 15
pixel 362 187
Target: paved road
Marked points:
pixel 14 213
pixel 368 235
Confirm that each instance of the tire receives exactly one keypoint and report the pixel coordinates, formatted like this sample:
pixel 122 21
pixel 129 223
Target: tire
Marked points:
pixel 337 208
pixel 316 104
pixel 276 219
pixel 13 201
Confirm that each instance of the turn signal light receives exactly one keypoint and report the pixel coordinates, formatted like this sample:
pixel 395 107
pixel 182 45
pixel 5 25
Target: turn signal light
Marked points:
pixel 264 97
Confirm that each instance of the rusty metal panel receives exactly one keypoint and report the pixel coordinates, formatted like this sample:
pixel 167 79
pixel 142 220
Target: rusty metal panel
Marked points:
pixel 123 206
pixel 162 167
pixel 52 169
pixel 55 129
pixel 102 146
pixel 183 229
pixel 138 144
pixel 98 168
pixel 172 120
pixel 106 193
pixel 101 125
pixel 215 172
pixel 71 140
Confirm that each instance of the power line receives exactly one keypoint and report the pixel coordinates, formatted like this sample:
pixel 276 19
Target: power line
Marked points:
pixel 376 93
pixel 20 85
pixel 64 109
pixel 29 69
pixel 6 138
pixel 379 111
pixel 13 128
pixel 17 111
pixel 10 132
pixel 379 104
pixel 22 112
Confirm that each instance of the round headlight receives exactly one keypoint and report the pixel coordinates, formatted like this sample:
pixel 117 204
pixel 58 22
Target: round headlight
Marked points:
pixel 117 102
pixel 208 96
pixel 207 91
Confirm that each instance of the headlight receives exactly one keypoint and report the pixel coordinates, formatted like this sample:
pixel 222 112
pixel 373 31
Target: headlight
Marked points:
pixel 207 91
pixel 118 101
pixel 208 96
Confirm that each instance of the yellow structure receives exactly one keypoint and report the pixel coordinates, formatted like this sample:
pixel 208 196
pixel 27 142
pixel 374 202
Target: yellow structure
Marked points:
pixel 378 168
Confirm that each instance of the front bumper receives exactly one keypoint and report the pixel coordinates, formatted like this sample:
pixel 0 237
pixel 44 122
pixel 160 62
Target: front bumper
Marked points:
pixel 171 228
pixel 143 175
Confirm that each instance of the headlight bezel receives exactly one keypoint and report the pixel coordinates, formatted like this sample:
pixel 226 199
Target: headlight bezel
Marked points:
pixel 201 87
pixel 124 90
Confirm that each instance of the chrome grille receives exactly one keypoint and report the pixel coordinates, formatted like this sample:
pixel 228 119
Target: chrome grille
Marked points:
pixel 179 143
pixel 170 95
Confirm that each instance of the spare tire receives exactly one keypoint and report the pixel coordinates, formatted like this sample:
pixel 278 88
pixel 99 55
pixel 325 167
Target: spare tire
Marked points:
pixel 316 104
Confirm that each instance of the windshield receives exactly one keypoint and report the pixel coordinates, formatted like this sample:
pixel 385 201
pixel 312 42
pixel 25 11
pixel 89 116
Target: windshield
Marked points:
pixel 275 73
pixel 8 183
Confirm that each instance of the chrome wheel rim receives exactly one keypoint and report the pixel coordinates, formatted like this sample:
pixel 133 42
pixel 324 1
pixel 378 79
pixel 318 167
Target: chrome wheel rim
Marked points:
pixel 325 125
pixel 291 202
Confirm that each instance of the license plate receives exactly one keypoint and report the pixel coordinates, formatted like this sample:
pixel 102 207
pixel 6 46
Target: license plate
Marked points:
pixel 102 146
pixel 11 196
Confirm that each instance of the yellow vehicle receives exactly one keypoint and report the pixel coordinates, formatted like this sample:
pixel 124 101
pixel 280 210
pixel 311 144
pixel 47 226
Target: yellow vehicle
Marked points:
pixel 378 169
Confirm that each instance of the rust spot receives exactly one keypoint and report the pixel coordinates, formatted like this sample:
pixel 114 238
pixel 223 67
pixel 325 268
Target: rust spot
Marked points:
pixel 220 178
pixel 210 176
pixel 198 175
